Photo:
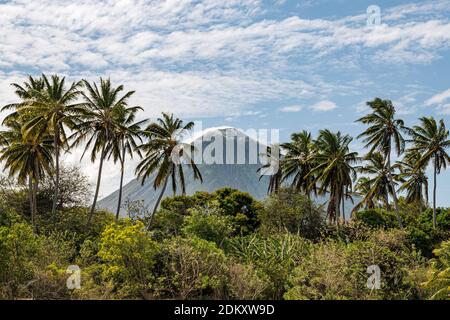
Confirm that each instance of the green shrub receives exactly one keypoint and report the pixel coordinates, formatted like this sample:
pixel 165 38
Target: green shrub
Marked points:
pixel 166 223
pixel 242 207
pixel 437 284
pixel 246 282
pixel 209 224
pixel 73 221
pixel 354 230
pixel 128 256
pixel 377 218
pixel 288 211
pixel 191 268
pixel 33 266
pixel 442 219
pixel 275 256
pixel 336 270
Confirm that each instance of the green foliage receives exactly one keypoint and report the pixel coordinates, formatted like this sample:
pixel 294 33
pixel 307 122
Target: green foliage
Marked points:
pixel 438 281
pixel 442 218
pixel 377 218
pixel 32 265
pixel 73 221
pixel 289 211
pixel 336 270
pixel 419 225
pixel 239 206
pixel 127 256
pixel 192 268
pixel 166 223
pixel 209 224
pixel 274 256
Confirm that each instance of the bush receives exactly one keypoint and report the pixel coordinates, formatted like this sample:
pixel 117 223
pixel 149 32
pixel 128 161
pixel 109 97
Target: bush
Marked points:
pixel 442 219
pixel 335 270
pixel 209 224
pixel 166 223
pixel 33 266
pixel 239 205
pixel 246 282
pixel 354 230
pixel 191 268
pixel 73 221
pixel 288 211
pixel 275 256
pixel 377 218
pixel 437 284
pixel 128 256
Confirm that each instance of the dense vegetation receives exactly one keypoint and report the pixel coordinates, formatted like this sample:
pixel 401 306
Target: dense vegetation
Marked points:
pixel 225 244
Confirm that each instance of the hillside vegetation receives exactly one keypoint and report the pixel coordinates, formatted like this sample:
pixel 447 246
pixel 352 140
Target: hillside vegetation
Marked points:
pixel 224 244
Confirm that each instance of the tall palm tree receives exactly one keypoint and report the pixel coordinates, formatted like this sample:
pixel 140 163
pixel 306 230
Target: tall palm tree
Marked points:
pixel 299 161
pixel 53 108
pixel 275 177
pixel 26 157
pixel 378 175
pixel 128 132
pixel 384 134
pixel 414 179
pixel 163 143
pixel 431 140
pixel 334 171
pixel 99 124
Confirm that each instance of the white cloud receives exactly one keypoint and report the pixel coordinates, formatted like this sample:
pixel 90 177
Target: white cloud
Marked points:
pixel 323 106
pixel 293 108
pixel 438 98
pixel 206 58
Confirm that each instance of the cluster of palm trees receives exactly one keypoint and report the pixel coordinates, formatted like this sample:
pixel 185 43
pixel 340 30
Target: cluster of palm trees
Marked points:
pixel 327 165
pixel 53 117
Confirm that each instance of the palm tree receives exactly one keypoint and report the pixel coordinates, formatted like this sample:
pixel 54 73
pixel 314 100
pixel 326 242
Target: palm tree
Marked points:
pixel 99 124
pixel 362 188
pixel 127 133
pixel 384 133
pixel 414 179
pixel 265 169
pixel 28 158
pixel 53 108
pixel 378 179
pixel 25 92
pixel 299 162
pixel 431 140
pixel 163 143
pixel 334 170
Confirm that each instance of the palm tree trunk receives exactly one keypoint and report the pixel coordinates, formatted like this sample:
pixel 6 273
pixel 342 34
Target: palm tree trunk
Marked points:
pixel 97 188
pixel 386 200
pixel 158 201
pixel 122 168
pixel 434 195
pixel 35 189
pixel 337 213
pixel 56 192
pixel 31 197
pixel 394 193
pixel 343 208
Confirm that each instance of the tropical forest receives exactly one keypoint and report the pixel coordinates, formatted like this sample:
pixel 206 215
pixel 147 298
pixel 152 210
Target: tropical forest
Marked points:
pixel 394 242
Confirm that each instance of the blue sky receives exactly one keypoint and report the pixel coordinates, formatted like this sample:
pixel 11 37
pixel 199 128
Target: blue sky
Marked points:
pixel 291 65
